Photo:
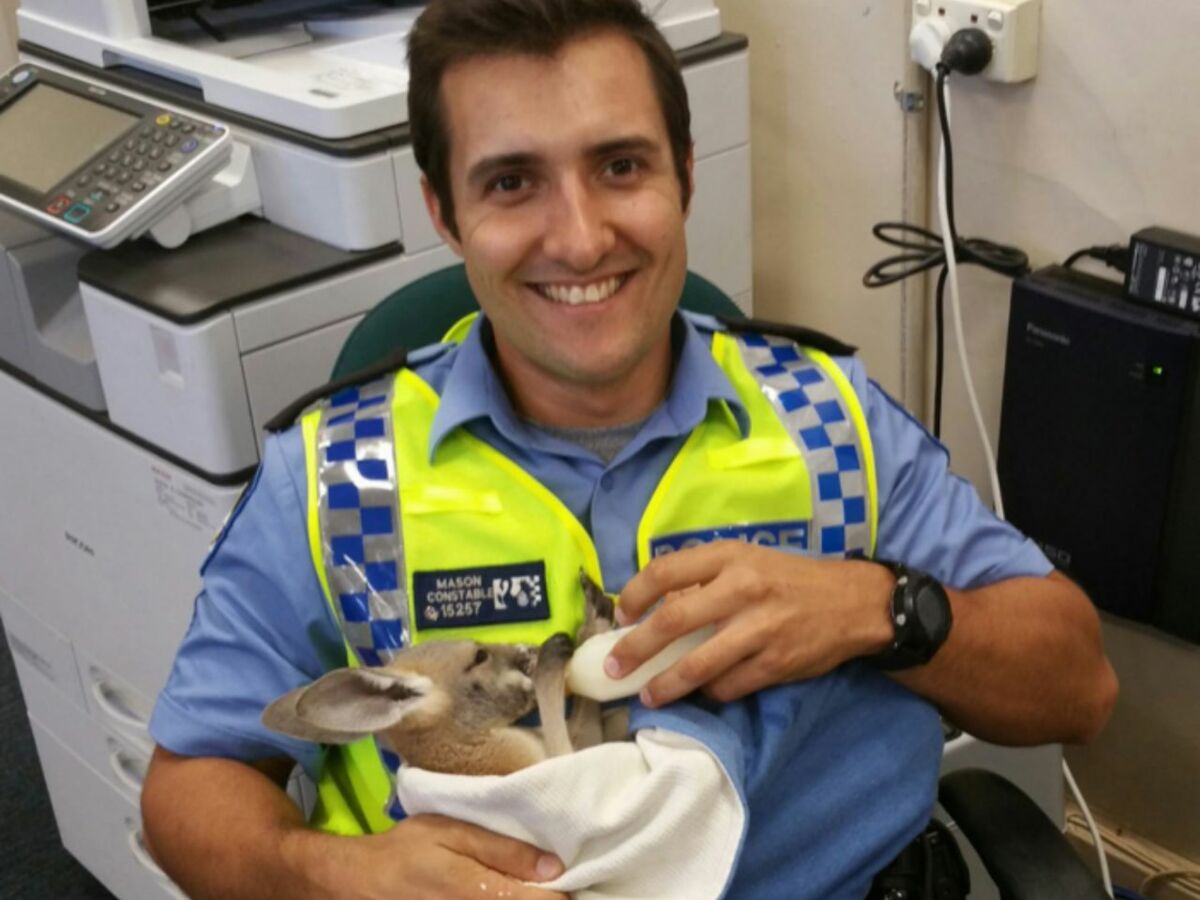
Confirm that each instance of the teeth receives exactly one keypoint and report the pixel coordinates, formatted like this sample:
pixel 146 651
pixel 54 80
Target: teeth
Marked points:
pixel 575 294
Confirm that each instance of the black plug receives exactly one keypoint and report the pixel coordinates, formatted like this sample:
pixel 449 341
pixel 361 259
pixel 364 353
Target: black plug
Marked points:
pixel 968 52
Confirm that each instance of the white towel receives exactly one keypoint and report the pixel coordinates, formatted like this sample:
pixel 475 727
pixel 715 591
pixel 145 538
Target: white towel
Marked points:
pixel 657 817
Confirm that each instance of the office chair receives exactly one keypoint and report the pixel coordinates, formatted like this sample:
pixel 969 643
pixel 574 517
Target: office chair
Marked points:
pixel 1023 851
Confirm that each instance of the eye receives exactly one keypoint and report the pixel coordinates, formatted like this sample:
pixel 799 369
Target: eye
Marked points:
pixel 507 184
pixel 481 656
pixel 624 167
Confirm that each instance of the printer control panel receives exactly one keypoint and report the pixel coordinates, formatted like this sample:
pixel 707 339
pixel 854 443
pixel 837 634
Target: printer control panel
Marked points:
pixel 96 163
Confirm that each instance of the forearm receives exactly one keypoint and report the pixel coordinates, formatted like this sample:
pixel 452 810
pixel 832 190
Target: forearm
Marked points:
pixel 223 829
pixel 1023 664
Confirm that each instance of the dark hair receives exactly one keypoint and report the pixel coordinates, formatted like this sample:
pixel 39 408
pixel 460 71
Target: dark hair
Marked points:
pixel 451 31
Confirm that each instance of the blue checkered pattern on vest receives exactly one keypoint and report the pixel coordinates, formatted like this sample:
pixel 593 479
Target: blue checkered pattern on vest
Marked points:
pixel 814 412
pixel 360 516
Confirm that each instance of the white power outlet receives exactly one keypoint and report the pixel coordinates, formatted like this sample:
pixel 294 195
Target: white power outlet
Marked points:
pixel 1012 25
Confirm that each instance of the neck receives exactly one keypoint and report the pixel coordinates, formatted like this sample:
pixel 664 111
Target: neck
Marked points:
pixel 548 400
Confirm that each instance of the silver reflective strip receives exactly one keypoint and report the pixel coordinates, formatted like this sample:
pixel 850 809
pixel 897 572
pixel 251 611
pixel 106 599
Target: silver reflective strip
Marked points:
pixel 816 416
pixel 359 514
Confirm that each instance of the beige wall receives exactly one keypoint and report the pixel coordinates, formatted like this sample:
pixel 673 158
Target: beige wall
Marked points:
pixel 1103 142
pixel 8 33
pixel 832 154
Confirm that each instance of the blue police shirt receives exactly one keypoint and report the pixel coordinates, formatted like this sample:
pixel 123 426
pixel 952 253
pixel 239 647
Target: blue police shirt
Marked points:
pixel 261 625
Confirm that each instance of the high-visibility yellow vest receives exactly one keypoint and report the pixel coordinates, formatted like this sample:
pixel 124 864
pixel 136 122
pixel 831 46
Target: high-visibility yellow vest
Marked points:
pixel 467 545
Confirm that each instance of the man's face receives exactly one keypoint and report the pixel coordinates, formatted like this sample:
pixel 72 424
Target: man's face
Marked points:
pixel 570 217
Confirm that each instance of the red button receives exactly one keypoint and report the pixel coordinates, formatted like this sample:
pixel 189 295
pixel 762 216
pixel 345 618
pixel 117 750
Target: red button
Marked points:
pixel 59 205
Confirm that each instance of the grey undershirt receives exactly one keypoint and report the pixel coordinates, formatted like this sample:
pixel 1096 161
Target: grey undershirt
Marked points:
pixel 606 442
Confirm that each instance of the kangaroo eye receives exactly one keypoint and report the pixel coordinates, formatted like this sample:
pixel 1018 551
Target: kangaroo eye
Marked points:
pixel 481 656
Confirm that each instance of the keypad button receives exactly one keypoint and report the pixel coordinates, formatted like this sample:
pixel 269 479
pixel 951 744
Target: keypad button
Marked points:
pixel 164 166
pixel 188 128
pixel 137 187
pixel 189 145
pixel 143 147
pixel 138 165
pixel 77 213
pixel 158 137
pixel 130 144
pixel 123 177
pixel 146 132
pixel 172 140
pixel 163 119
pixel 156 153
pixel 127 160
pixel 114 156
pixel 83 180
pixel 175 123
pixel 112 207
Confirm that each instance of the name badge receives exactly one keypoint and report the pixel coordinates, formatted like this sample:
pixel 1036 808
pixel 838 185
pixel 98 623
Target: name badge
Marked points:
pixel 489 595
pixel 784 535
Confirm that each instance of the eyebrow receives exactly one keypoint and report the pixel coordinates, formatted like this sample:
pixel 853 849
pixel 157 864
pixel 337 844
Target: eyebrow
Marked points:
pixel 632 144
pixel 491 165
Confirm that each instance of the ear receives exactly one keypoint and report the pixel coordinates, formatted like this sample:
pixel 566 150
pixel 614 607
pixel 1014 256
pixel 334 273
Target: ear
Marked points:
pixel 348 704
pixel 434 206
pixel 599 608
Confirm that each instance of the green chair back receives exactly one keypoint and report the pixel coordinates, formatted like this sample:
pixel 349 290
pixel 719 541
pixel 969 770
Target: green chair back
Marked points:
pixel 420 313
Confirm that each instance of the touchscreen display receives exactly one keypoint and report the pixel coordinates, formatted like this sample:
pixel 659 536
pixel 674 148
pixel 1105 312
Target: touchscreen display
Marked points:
pixel 46 134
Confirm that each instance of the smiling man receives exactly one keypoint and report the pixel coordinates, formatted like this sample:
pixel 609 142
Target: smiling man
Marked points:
pixel 614 434
pixel 568 209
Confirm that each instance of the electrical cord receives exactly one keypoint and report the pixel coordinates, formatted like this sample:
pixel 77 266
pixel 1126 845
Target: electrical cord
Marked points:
pixel 951 269
pixel 925 250
pixel 1115 256
pixel 949 236
pixel 1105 876
pixel 1168 875
pixel 967 51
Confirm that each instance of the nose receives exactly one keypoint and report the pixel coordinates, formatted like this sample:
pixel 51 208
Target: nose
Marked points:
pixel 578 231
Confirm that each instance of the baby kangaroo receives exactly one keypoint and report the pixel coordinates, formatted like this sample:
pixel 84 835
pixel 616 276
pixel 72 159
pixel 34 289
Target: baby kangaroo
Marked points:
pixel 450 706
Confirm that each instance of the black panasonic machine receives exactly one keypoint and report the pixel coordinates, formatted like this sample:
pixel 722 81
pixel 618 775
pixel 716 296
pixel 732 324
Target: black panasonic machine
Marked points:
pixel 1099 456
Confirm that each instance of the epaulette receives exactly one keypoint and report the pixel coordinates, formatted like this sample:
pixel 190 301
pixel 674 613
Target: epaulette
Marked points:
pixel 805 337
pixel 287 416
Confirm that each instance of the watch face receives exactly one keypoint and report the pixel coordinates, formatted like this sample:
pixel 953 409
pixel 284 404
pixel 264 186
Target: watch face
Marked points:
pixel 932 608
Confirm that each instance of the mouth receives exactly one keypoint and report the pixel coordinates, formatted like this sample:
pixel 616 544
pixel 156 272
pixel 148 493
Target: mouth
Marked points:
pixel 581 294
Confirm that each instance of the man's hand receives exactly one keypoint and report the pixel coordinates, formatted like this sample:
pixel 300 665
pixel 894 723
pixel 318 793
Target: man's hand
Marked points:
pixel 779 618
pixel 436 858
pixel 225 830
pixel 1024 663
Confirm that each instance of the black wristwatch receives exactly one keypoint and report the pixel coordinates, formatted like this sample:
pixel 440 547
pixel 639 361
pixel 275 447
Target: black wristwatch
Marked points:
pixel 921 619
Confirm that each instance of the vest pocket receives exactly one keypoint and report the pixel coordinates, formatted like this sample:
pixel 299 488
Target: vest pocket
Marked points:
pixel 429 499
pixel 753 452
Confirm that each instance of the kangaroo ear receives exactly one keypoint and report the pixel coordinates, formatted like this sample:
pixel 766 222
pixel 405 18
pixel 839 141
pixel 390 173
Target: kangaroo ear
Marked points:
pixel 599 608
pixel 348 704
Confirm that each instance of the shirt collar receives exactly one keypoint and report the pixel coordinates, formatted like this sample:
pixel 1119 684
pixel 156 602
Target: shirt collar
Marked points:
pixel 473 389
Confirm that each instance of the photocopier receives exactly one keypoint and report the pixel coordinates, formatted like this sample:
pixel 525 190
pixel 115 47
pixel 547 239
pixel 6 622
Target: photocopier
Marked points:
pixel 199 200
